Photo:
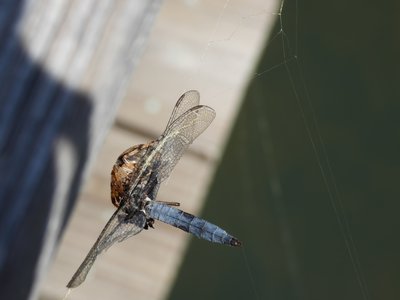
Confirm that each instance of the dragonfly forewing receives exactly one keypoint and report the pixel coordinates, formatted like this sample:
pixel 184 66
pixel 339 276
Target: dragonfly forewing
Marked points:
pixel 185 102
pixel 179 135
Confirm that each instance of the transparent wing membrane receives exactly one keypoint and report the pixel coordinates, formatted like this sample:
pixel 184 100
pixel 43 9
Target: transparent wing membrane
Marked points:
pixel 179 135
pixel 185 102
pixel 117 229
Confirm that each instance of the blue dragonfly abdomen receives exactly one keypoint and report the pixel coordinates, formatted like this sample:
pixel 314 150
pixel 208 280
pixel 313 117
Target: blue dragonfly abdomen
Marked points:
pixel 190 223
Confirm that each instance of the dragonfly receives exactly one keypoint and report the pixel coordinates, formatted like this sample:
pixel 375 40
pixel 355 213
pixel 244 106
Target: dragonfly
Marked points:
pixel 136 177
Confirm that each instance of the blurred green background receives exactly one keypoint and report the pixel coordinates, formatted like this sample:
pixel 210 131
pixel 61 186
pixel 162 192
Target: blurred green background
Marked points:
pixel 311 184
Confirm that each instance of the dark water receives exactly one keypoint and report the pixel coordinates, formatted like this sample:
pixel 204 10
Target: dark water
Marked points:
pixel 319 220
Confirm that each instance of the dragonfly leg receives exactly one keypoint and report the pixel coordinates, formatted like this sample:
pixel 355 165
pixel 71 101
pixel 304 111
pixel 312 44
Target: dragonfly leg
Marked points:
pixel 148 200
pixel 149 223
pixel 168 203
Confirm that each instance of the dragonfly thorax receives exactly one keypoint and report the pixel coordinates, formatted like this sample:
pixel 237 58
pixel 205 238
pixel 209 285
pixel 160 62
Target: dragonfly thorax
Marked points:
pixel 125 171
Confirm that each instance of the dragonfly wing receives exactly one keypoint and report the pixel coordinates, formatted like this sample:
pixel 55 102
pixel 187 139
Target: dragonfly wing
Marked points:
pixel 185 102
pixel 179 135
pixel 119 227
pixel 187 122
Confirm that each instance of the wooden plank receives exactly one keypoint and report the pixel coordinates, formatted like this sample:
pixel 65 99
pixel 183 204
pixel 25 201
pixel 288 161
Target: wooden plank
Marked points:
pixel 50 129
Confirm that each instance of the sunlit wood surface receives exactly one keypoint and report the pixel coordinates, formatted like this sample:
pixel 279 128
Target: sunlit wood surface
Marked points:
pixel 194 45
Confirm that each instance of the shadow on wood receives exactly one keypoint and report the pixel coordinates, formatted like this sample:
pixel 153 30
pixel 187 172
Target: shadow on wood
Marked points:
pixel 37 111
pixel 48 130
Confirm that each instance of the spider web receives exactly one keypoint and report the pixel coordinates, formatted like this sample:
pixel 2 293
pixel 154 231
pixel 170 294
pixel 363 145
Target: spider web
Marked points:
pixel 286 63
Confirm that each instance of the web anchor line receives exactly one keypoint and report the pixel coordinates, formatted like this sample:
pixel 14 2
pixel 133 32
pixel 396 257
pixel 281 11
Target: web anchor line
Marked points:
pixel 318 143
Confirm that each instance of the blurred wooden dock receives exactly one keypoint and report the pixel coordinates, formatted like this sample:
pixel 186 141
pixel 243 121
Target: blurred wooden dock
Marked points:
pixel 179 57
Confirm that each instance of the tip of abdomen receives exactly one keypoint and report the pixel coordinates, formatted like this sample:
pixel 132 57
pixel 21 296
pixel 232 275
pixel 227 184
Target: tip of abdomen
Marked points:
pixel 235 242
